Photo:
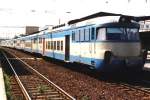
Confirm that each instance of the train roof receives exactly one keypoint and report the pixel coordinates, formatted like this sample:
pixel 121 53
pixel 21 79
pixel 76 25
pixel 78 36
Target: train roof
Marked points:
pixel 97 18
pixel 125 18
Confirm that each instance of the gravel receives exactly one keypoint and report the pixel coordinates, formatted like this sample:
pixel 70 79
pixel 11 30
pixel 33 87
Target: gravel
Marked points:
pixel 80 85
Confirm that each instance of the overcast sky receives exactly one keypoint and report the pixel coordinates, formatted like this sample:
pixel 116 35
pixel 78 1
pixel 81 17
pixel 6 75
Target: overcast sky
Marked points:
pixel 49 12
pixel 42 12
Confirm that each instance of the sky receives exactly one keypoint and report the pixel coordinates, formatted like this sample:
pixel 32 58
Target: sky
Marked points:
pixel 50 12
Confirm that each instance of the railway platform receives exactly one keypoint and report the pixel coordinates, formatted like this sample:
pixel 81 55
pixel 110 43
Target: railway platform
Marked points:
pixel 2 86
pixel 146 66
pixel 147 63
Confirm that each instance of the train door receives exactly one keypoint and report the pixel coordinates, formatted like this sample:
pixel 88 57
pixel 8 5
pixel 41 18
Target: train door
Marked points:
pixel 92 45
pixel 67 47
pixel 43 46
pixel 31 44
pixel 37 44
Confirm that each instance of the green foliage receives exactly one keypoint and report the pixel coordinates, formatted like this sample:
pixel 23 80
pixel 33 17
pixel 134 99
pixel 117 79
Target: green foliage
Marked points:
pixel 42 88
pixel 85 98
pixel 7 86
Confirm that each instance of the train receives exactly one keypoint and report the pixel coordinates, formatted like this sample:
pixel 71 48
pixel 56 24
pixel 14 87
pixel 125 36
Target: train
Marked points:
pixel 103 41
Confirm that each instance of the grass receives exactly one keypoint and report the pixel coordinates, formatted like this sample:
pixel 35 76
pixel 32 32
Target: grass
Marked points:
pixel 85 98
pixel 42 88
pixel 7 86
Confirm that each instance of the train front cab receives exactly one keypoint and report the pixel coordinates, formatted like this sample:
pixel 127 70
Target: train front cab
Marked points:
pixel 119 47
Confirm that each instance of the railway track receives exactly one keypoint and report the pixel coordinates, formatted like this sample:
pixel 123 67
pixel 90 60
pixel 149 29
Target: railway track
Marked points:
pixel 12 87
pixel 136 84
pixel 126 87
pixel 16 92
pixel 33 84
pixel 132 89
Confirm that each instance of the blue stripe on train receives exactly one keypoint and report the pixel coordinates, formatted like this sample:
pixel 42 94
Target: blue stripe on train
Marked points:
pixel 55 55
pixel 96 62
pixel 27 49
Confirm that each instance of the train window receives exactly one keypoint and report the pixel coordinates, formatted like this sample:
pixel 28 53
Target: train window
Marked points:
pixel 92 33
pixel 48 45
pixel 82 35
pixel 132 34
pixel 77 36
pixel 54 45
pixel 34 40
pixel 147 26
pixel 40 40
pixel 87 35
pixel 58 45
pixel 101 34
pixel 73 36
pixel 61 45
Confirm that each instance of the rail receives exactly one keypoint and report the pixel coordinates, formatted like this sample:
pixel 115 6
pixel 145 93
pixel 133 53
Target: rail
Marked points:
pixel 24 91
pixel 42 76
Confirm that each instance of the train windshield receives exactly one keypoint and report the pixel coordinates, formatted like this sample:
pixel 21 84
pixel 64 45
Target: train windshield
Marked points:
pixel 122 34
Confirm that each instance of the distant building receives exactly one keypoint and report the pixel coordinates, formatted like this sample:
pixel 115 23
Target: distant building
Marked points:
pixel 31 29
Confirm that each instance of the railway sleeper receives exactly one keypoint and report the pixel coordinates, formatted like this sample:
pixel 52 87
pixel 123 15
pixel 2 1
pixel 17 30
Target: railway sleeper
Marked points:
pixel 56 99
pixel 45 97
pixel 35 92
pixel 53 96
pixel 45 93
pixel 32 83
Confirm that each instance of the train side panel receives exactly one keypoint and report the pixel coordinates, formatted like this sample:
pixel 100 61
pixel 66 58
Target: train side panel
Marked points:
pixel 28 44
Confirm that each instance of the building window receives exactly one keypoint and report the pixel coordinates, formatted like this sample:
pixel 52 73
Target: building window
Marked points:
pixel 61 45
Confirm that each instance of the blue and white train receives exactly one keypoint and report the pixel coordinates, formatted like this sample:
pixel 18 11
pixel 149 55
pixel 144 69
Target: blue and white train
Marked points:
pixel 104 41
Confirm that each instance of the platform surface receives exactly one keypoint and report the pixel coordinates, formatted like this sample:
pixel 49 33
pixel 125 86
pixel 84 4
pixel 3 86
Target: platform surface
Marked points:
pixel 2 86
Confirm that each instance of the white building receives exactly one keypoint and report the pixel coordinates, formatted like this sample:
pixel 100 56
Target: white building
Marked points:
pixel 144 26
